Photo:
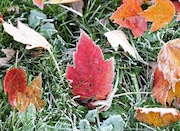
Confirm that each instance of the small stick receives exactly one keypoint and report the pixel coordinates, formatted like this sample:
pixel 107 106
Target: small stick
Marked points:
pixel 17 53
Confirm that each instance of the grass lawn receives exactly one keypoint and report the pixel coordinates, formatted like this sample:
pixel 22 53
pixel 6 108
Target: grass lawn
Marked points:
pixel 62 29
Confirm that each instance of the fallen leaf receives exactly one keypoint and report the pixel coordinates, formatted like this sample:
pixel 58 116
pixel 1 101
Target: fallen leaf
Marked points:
pixel 136 24
pixel 160 87
pixel 62 1
pixel 160 14
pixel 14 82
pixel 32 95
pixel 14 9
pixel 166 85
pixel 30 37
pixel 158 116
pixel 127 9
pixel 78 6
pixel 177 7
pixel 1 18
pixel 39 3
pixel 118 37
pixel 26 35
pixel 91 77
pixel 9 54
pixel 168 61
pixel 127 16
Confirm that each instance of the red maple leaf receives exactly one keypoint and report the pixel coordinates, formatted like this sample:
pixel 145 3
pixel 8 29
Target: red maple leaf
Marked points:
pixel 91 76
pixel 39 3
pixel 14 82
pixel 127 15
pixel 177 7
pixel 1 18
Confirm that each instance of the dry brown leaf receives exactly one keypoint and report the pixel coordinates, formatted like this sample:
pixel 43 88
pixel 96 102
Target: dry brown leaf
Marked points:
pixel 14 9
pixel 9 54
pixel 78 6
pixel 32 95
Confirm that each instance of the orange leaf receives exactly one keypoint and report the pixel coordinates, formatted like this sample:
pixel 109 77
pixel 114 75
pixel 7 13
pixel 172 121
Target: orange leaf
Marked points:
pixel 169 61
pixel 160 87
pixel 127 9
pixel 127 16
pixel 32 95
pixel 158 116
pixel 14 82
pixel 161 13
pixel 166 85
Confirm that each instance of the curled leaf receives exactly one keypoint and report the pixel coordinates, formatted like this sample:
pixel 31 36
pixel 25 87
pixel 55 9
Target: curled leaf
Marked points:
pixel 26 35
pixel 116 38
pixel 166 85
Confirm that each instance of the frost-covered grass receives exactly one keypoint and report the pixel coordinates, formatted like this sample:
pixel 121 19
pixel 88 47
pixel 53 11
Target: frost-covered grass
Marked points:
pixel 60 111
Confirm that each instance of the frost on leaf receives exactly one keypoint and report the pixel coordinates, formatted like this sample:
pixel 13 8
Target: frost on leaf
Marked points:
pixel 14 82
pixel 166 85
pixel 91 76
pixel 158 116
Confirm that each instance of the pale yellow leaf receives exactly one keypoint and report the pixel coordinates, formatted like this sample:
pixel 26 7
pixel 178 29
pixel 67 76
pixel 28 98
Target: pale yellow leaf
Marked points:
pixel 26 35
pixel 116 38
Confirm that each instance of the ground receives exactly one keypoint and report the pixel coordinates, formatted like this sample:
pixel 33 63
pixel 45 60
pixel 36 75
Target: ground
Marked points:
pixel 60 111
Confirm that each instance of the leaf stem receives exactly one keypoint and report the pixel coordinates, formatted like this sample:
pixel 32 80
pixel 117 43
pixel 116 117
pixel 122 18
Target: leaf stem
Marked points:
pixel 13 117
pixel 56 64
pixel 17 53
pixel 131 93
